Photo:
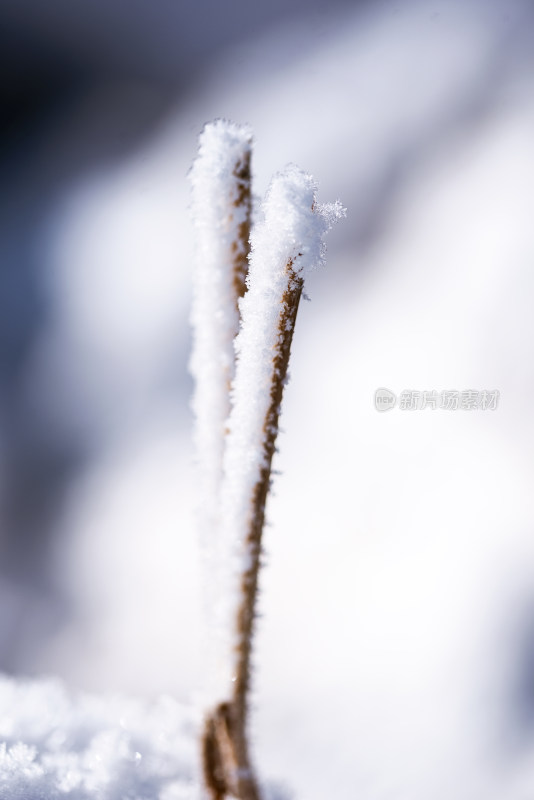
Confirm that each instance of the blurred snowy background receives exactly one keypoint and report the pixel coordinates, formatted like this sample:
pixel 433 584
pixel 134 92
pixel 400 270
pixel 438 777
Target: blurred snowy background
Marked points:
pixel 395 656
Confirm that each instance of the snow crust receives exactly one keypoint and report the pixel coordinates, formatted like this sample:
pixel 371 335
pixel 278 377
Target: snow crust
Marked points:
pixel 58 745
pixel 55 746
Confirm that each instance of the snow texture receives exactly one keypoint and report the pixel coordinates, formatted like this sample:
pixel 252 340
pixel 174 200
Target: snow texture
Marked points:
pixel 57 747
pixel 293 230
pixel 217 216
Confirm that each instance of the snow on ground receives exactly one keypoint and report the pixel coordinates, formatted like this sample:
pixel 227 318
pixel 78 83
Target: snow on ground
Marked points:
pixel 394 655
pixel 58 746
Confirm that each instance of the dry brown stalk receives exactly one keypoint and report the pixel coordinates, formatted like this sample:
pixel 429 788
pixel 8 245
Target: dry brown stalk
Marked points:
pixel 241 246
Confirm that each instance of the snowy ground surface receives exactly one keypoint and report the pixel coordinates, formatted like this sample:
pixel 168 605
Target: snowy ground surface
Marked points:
pixel 57 746
pixel 395 653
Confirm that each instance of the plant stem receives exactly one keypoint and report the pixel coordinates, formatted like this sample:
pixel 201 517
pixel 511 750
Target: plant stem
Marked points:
pixel 227 766
pixel 221 211
pixel 240 247
pixel 285 246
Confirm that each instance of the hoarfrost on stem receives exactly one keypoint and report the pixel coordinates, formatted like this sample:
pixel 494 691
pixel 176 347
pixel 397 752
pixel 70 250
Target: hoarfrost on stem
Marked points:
pixel 237 429
pixel 285 246
pixel 221 211
pixel 220 179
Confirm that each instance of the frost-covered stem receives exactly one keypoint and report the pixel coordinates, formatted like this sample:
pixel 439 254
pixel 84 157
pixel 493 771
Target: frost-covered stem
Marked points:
pixel 249 583
pixel 245 620
pixel 225 739
pixel 287 244
pixel 221 210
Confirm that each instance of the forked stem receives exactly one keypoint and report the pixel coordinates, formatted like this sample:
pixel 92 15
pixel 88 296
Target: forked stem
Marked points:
pixel 285 246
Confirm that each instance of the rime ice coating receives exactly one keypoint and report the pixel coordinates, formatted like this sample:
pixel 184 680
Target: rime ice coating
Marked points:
pixel 285 246
pixel 221 209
